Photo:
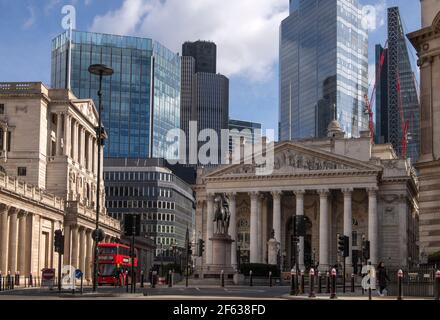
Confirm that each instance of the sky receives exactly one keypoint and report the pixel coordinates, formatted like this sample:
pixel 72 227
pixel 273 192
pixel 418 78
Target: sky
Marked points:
pixel 246 33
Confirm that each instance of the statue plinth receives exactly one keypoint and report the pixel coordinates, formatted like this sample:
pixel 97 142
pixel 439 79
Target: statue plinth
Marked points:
pixel 221 257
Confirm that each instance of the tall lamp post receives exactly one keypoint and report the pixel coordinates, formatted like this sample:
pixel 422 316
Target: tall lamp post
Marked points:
pixel 101 71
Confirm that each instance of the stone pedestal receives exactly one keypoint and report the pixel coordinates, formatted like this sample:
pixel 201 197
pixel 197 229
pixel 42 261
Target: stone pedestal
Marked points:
pixel 272 252
pixel 221 259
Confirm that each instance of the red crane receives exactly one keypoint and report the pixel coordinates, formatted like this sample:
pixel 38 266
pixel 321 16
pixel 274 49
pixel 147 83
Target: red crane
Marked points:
pixel 368 102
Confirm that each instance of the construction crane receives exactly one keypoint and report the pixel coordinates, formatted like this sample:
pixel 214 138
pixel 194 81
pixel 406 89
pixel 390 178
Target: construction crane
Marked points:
pixel 368 102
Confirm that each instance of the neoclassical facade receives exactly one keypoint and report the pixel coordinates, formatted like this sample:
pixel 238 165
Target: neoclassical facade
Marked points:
pixel 49 152
pixel 342 186
pixel 427 43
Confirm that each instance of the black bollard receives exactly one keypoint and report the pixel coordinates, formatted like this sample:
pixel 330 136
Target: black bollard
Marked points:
pixel 292 283
pixel 17 279
pixel 352 282
pixel 250 279
pixel 333 293
pixel 312 283
pixel 302 289
pixel 142 278
pixel 270 278
pixel 153 280
pixel 400 280
pixel 170 279
pixel 328 282
pixel 1 281
pixel 437 281
pixel 319 282
pixel 126 282
pixel 222 277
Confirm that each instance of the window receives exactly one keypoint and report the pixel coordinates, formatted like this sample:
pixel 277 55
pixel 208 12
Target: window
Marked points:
pixel 21 171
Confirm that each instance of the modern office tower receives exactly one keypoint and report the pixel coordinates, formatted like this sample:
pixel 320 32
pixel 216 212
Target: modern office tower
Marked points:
pixel 141 101
pixel 393 108
pixel 149 188
pixel 204 53
pixel 204 94
pixel 323 65
pixel 238 129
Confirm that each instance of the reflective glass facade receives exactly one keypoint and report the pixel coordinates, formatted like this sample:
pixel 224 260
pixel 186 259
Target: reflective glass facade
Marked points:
pixel 136 114
pixel 323 62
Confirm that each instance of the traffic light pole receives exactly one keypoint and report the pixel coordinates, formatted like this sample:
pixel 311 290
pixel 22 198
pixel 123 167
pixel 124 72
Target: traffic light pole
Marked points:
pixel 59 272
pixel 343 277
pixel 133 286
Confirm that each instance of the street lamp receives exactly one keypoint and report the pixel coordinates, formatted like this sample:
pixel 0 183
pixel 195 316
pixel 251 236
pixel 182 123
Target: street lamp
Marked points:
pixel 101 71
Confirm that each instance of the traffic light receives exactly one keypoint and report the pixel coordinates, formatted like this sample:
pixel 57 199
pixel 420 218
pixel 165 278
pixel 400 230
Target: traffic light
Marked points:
pixel 344 245
pixel 300 226
pixel 59 241
pixel 132 223
pixel 201 247
pixel 366 250
pixel 189 249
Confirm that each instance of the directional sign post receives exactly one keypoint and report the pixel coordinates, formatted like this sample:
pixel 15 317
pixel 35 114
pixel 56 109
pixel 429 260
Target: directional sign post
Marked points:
pixel 79 275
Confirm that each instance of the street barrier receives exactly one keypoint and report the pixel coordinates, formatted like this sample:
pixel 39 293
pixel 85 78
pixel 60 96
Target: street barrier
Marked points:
pixel 333 293
pixel 312 283
pixel 400 280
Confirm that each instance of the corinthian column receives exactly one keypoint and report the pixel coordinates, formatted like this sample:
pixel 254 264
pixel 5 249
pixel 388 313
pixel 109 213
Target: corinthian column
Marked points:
pixel 4 228
pixel 12 252
pixel 59 135
pixel 22 242
pixel 209 227
pixel 82 249
pixel 373 225
pixel 233 227
pixel 75 245
pixel 89 257
pixel 277 215
pixel 67 134
pixel 300 212
pixel 254 228
pixel 348 223
pixel 323 231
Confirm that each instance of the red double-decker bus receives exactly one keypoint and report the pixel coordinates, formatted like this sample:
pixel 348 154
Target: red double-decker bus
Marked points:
pixel 114 264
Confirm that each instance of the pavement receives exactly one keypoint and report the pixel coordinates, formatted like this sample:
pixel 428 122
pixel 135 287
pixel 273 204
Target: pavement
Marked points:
pixel 180 292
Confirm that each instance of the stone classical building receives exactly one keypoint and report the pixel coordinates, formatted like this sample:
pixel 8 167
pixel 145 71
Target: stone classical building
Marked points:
pixel 427 43
pixel 48 179
pixel 346 186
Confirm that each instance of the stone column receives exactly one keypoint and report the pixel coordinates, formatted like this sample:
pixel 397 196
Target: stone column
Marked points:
pixel 83 147
pixel 90 154
pixel 254 228
pixel 82 249
pixel 67 134
pixel 75 141
pixel 348 223
pixel 373 225
pixel 22 217
pixel 5 142
pixel 12 252
pixel 4 228
pixel 323 230
pixel 233 227
pixel 67 236
pixel 75 245
pixel 209 227
pixel 260 228
pixel 264 233
pixel 277 215
pixel 300 212
pixel 95 156
pixel 89 256
pixel 58 136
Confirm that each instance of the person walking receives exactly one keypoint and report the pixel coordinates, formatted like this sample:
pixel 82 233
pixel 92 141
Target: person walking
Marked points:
pixel 383 278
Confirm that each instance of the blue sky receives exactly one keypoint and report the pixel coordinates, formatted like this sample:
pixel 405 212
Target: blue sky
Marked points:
pixel 247 51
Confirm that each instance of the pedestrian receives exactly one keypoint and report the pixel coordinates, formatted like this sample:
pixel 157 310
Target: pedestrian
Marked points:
pixel 383 278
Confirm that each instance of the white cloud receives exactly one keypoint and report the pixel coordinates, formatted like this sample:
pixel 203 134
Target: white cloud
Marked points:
pixel 30 21
pixel 245 31
pixel 374 16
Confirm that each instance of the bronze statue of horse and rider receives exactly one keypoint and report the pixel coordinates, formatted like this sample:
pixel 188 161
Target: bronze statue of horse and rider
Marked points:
pixel 222 215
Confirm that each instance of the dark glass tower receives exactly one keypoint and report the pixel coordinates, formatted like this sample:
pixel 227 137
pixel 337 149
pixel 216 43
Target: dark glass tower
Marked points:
pixel 141 99
pixel 395 72
pixel 204 94
pixel 323 62
pixel 204 53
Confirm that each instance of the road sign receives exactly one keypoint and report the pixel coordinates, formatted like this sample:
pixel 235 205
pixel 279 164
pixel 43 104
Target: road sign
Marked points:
pixel 78 274
pixel 48 278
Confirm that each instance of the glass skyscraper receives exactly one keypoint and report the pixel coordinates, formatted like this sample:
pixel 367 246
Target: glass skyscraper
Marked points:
pixel 393 71
pixel 323 63
pixel 141 101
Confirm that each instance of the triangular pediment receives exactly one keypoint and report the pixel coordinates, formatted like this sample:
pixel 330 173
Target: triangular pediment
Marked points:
pixel 296 158
pixel 88 110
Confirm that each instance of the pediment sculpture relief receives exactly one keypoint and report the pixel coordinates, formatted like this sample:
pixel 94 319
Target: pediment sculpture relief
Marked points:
pixel 292 160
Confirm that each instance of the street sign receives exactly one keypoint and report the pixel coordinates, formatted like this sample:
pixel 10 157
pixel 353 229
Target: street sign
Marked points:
pixel 78 274
pixel 48 278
